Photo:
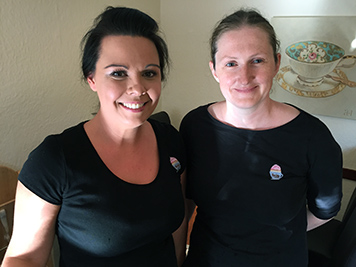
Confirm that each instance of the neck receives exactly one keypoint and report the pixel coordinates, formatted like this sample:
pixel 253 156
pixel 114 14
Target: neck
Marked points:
pixel 255 118
pixel 117 133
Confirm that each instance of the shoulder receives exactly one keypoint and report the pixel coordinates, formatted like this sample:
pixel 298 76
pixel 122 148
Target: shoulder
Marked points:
pixel 169 140
pixel 319 135
pixel 195 116
pixel 166 134
pixel 44 172
pixel 198 111
pixel 288 110
pixel 162 128
pixel 51 148
pixel 73 133
pixel 313 123
pixel 306 119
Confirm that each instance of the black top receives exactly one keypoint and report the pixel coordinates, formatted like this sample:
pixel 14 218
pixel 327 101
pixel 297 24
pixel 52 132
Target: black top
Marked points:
pixel 251 189
pixel 103 220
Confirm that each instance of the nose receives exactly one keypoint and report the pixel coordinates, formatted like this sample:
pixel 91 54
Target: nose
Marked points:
pixel 136 87
pixel 244 74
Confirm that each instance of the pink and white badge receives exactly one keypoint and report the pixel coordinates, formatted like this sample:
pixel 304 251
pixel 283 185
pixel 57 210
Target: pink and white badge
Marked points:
pixel 276 172
pixel 175 163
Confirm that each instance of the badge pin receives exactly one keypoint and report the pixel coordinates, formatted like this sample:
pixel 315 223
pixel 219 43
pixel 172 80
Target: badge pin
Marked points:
pixel 276 172
pixel 175 163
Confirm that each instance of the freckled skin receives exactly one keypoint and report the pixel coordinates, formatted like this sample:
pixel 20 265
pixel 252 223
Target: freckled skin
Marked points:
pixel 127 72
pixel 245 67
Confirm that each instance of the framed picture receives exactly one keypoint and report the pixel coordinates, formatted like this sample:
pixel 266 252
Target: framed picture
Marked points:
pixel 318 66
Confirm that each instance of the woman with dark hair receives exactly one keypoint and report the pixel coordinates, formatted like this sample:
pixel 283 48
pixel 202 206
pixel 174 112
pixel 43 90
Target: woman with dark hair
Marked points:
pixel 109 188
pixel 261 172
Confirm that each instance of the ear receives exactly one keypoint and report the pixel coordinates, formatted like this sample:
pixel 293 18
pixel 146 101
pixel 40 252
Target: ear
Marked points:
pixel 212 69
pixel 91 82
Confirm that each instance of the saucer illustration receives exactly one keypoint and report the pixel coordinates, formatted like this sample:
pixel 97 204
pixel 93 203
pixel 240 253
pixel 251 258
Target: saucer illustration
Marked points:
pixel 287 79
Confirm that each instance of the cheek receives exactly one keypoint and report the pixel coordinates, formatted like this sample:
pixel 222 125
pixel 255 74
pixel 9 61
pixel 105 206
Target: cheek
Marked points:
pixel 155 89
pixel 267 77
pixel 111 91
pixel 227 80
pixel 156 95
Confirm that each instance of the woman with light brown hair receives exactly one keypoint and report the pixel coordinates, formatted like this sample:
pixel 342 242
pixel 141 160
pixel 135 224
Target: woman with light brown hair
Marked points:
pixel 261 172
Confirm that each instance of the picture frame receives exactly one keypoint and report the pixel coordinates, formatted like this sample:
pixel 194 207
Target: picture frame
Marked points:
pixel 330 97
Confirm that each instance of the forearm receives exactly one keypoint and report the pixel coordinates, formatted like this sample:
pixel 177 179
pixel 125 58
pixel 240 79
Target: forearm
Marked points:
pixel 19 262
pixel 314 222
pixel 13 258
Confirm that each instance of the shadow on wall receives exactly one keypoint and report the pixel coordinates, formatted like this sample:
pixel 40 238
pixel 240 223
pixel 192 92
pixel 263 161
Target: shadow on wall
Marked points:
pixel 349 156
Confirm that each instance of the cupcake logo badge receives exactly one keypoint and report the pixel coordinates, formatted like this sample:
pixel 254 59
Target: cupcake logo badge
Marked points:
pixel 175 163
pixel 276 172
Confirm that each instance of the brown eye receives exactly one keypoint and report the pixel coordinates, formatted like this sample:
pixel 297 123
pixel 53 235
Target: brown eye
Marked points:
pixel 150 74
pixel 118 74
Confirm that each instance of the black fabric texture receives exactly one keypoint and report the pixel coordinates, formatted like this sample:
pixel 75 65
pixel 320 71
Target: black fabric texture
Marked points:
pixel 103 220
pixel 252 187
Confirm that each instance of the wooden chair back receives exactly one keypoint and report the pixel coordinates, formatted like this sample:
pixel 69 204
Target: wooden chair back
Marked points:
pixel 8 182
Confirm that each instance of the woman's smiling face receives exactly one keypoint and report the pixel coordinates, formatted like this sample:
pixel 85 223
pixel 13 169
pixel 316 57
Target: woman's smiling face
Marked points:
pixel 245 66
pixel 127 79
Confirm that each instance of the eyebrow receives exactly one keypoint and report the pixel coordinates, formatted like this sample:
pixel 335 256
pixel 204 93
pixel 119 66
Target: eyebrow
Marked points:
pixel 125 67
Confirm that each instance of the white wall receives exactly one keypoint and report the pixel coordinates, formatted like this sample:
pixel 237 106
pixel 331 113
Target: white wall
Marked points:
pixel 41 91
pixel 188 25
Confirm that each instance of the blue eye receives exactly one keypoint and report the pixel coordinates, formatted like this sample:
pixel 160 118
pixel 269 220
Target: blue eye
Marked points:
pixel 231 64
pixel 256 61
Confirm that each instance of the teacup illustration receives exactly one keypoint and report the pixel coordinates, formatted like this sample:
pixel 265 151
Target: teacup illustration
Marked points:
pixel 313 60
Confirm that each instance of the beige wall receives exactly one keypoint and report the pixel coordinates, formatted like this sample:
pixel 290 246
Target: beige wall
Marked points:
pixel 41 91
pixel 40 84
pixel 188 25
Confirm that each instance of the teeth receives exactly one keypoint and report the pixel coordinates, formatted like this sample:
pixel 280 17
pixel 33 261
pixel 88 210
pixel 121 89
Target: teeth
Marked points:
pixel 132 106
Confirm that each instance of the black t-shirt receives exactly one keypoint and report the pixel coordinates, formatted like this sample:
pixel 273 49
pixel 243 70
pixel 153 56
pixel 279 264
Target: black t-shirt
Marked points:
pixel 103 220
pixel 251 189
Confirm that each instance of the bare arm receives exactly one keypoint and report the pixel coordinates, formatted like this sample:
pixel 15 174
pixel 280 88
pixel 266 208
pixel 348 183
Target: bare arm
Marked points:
pixel 33 232
pixel 314 222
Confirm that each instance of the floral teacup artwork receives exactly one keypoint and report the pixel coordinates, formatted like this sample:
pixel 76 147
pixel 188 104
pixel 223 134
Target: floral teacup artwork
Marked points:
pixel 313 60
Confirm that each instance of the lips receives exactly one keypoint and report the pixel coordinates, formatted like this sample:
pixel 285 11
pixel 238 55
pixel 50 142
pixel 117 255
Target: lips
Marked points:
pixel 133 106
pixel 245 89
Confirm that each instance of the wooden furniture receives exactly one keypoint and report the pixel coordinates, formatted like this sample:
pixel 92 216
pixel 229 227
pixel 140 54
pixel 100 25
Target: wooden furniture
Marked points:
pixel 8 182
pixel 349 174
